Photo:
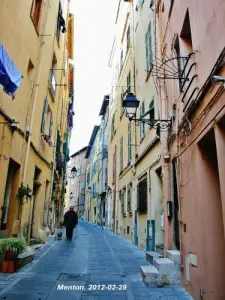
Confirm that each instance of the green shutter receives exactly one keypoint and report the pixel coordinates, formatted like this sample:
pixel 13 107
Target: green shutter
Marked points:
pixel 121 154
pixel 44 115
pixel 129 141
pixel 51 124
pixel 143 124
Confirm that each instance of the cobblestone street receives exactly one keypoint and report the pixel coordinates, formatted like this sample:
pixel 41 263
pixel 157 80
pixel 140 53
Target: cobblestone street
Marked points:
pixel 95 257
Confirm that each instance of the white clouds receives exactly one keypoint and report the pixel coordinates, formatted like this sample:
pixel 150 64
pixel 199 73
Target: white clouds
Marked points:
pixel 94 24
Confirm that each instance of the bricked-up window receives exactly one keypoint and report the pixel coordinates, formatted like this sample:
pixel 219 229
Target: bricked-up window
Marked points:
pixel 35 13
pixel 142 196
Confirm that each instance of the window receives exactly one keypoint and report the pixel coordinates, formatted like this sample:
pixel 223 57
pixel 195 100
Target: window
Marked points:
pixel 121 60
pixel 44 115
pixel 128 83
pixel 142 196
pixel 170 6
pixel 139 2
pixel 122 201
pixel 51 123
pixel 128 229
pixel 113 126
pixel 148 49
pixel 30 69
pixel 88 178
pixel 128 38
pixel 186 34
pixel 52 83
pixel 35 13
pixel 129 142
pixel 59 21
pixel 179 60
pixel 129 204
pixel 114 168
pixel 121 108
pixel 121 154
pixel 142 125
pixel 152 110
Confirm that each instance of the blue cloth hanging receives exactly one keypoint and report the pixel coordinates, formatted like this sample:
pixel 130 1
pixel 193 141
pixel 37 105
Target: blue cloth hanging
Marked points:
pixel 10 77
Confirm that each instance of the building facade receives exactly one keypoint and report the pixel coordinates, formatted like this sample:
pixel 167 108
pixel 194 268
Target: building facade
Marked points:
pixel 104 204
pixel 135 151
pixel 77 184
pixel 193 167
pixel 27 159
pixel 91 189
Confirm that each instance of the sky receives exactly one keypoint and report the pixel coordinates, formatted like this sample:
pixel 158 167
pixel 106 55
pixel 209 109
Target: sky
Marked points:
pixel 94 32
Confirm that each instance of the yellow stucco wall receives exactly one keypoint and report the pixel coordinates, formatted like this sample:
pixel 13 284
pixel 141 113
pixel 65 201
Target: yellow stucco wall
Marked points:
pixel 22 43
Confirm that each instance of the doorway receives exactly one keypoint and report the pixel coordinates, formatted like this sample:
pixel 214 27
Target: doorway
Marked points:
pixel 176 223
pixel 36 187
pixel 10 206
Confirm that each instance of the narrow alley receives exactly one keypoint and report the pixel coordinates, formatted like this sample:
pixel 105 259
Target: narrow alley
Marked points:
pixel 95 259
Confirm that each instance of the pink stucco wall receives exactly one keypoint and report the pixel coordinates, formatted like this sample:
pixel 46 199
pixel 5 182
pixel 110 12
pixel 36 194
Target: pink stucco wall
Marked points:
pixel 200 148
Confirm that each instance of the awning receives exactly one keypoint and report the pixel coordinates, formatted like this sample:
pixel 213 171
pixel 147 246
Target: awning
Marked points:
pixel 10 77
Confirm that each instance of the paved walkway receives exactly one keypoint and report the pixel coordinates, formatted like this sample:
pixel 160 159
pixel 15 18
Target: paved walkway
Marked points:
pixel 96 265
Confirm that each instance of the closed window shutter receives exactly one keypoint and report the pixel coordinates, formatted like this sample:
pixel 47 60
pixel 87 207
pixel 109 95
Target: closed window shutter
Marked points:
pixel 146 51
pixel 129 141
pixel 44 116
pixel 148 48
pixel 143 124
pixel 121 154
pixel 51 124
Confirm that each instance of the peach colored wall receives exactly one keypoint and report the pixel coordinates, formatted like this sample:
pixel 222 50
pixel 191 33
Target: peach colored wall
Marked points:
pixel 201 183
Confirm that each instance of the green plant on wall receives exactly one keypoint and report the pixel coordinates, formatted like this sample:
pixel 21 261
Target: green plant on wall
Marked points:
pixel 24 193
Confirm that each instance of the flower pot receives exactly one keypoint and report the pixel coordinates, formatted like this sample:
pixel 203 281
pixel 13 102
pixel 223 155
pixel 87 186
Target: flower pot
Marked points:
pixel 10 255
pixel 11 266
pixel 5 265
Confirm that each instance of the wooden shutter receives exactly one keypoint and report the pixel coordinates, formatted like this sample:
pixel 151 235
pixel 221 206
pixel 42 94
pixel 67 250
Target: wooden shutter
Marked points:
pixel 121 153
pixel 129 141
pixel 44 115
pixel 51 124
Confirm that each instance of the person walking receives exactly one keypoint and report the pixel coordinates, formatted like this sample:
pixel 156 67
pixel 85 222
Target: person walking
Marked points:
pixel 70 222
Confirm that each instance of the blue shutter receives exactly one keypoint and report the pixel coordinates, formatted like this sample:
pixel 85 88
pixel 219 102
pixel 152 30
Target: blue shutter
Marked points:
pixel 51 124
pixel 44 115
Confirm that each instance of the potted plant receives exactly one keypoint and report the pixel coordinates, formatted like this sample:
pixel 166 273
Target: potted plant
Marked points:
pixel 24 192
pixel 10 248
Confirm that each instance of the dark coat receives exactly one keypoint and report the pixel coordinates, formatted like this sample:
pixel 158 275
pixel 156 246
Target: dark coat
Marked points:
pixel 70 219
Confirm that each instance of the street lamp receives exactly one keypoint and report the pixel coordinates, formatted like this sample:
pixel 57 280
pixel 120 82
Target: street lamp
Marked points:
pixel 73 172
pixel 130 103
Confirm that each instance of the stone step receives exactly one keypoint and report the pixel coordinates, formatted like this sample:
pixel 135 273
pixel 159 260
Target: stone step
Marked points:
pixel 174 255
pixel 4 234
pixel 151 276
pixel 164 265
pixel 150 256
